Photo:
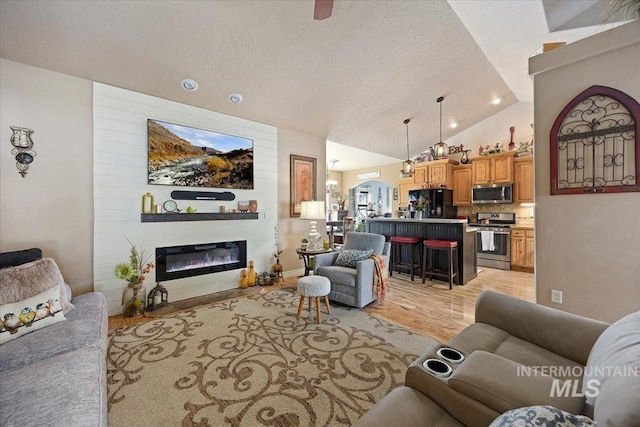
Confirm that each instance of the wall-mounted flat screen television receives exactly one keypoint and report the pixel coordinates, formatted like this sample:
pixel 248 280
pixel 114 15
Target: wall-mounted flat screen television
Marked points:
pixel 185 156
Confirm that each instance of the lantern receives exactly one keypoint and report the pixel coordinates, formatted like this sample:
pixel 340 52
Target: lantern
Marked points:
pixel 158 297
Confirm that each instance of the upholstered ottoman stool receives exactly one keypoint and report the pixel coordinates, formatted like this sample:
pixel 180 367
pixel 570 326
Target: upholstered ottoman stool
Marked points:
pixel 314 287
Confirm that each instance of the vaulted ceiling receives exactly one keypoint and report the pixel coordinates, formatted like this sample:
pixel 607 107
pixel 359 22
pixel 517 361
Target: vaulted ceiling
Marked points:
pixel 352 78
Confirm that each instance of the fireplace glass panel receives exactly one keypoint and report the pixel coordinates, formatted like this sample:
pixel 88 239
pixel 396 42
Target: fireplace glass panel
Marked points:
pixel 192 260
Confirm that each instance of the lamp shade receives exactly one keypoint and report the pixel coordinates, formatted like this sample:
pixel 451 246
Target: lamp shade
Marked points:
pixel 312 210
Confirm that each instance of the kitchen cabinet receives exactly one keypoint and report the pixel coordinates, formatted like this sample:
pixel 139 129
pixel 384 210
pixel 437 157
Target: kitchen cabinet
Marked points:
pixel 434 174
pixel 522 249
pixel 523 179
pixel 462 185
pixel 421 174
pixel 404 186
pixel 493 169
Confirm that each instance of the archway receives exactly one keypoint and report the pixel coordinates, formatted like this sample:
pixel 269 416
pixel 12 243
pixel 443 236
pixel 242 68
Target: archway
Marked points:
pixel 370 198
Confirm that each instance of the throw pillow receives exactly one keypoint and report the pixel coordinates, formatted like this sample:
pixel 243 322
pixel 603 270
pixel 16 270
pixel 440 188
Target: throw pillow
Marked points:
pixel 618 403
pixel 31 314
pixel 26 280
pixel 534 416
pixel 617 347
pixel 11 259
pixel 349 257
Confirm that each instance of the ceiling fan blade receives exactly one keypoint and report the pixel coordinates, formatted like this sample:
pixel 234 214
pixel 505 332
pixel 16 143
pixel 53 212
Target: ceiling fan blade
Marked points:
pixel 322 9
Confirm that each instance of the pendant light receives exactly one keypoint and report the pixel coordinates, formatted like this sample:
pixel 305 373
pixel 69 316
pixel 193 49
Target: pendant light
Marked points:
pixel 408 166
pixel 440 149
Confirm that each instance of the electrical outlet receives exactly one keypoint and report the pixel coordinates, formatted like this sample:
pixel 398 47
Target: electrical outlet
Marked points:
pixel 556 296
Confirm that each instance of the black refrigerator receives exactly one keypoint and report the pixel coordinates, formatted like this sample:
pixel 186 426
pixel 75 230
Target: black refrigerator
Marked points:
pixel 440 202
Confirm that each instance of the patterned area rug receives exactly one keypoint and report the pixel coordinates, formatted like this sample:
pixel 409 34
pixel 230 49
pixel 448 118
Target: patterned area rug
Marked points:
pixel 249 362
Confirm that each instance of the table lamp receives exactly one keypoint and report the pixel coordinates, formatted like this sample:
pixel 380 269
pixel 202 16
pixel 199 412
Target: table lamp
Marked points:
pixel 313 210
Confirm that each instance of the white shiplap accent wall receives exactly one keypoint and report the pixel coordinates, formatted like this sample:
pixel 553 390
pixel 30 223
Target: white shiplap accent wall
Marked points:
pixel 120 179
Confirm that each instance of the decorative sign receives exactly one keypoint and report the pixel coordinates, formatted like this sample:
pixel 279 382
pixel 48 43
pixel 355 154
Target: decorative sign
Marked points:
pixel 368 175
pixel 456 149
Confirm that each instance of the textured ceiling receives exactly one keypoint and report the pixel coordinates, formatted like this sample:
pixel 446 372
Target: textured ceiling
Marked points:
pixel 351 79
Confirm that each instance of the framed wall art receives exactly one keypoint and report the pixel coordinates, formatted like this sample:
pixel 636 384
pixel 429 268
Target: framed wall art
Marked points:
pixel 303 182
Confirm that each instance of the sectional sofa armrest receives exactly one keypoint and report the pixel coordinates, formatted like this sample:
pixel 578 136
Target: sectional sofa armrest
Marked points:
pixel 543 326
pixel 502 384
pixel 323 260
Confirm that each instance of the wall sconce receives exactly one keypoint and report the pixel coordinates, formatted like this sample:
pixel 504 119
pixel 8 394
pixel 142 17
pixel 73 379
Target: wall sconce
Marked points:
pixel 23 148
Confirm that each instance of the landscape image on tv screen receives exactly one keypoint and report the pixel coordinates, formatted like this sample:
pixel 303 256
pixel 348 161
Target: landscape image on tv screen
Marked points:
pixel 185 156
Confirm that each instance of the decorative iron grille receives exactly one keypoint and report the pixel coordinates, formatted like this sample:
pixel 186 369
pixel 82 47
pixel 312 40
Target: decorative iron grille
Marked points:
pixel 595 144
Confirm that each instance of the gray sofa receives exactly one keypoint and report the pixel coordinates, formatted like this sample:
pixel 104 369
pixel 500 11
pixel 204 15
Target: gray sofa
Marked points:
pixel 516 355
pixel 353 286
pixel 56 376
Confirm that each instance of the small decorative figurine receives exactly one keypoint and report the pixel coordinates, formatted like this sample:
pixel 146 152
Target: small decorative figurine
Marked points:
pixel 251 275
pixel 244 280
pixel 512 144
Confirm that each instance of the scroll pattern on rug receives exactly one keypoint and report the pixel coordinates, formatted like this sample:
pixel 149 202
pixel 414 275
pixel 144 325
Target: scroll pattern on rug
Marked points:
pixel 250 362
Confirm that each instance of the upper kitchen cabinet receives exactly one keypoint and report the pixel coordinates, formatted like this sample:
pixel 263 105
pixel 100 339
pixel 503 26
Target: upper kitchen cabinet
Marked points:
pixel 462 185
pixel 523 179
pixel 434 174
pixel 438 173
pixel 404 186
pixel 493 169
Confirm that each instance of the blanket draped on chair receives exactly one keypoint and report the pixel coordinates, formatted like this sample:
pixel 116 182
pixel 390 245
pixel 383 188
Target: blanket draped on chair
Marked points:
pixel 380 277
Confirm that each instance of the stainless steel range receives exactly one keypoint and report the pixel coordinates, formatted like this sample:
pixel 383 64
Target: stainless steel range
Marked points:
pixel 493 240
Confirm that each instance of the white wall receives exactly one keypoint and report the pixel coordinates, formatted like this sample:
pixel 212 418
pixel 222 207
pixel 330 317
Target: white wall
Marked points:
pixel 120 179
pixel 292 230
pixel 51 207
pixel 587 245
pixel 496 129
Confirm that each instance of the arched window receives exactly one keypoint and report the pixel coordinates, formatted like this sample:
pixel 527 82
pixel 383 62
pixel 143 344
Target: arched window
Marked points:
pixel 594 144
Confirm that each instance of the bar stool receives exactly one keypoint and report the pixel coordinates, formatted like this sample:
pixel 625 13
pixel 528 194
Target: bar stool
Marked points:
pixel 397 243
pixel 452 260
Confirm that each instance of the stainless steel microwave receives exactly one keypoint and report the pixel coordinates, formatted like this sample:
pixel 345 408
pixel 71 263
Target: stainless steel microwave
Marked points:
pixel 488 194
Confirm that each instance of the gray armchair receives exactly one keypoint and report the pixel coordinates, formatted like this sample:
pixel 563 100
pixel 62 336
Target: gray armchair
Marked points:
pixel 353 286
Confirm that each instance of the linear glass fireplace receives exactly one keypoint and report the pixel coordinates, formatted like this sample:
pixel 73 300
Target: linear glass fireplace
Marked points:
pixel 175 262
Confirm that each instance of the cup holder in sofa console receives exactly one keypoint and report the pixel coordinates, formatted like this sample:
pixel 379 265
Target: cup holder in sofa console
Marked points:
pixel 437 368
pixel 450 355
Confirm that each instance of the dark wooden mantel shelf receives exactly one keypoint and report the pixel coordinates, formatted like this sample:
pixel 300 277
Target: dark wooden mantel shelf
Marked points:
pixel 198 216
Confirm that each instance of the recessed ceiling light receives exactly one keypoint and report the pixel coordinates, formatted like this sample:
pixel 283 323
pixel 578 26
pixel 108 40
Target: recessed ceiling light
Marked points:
pixel 496 101
pixel 453 125
pixel 189 85
pixel 235 98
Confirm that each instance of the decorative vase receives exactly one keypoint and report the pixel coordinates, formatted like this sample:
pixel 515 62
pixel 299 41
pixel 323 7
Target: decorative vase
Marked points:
pixel 277 270
pixel 251 275
pixel 244 280
pixel 418 215
pixel 465 157
pixel 133 300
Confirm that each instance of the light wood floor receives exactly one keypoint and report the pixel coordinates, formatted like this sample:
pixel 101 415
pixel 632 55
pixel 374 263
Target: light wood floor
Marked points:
pixel 430 309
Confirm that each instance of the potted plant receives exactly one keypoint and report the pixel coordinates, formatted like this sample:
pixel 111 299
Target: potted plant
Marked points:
pixel 419 206
pixel 134 272
pixel 304 243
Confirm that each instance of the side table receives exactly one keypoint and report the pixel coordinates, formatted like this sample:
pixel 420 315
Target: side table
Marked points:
pixel 307 256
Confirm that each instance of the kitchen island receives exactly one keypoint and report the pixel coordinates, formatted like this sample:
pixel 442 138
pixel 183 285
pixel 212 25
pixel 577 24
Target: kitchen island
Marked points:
pixel 434 229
